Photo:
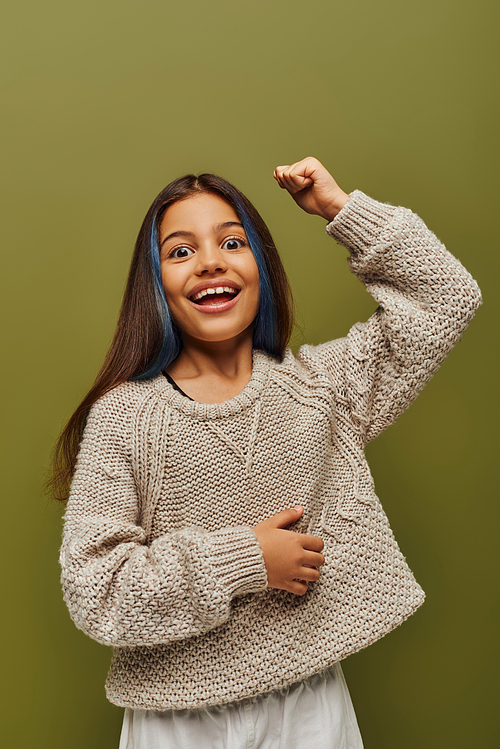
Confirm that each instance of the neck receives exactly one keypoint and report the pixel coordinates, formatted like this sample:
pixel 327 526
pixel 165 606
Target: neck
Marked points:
pixel 211 372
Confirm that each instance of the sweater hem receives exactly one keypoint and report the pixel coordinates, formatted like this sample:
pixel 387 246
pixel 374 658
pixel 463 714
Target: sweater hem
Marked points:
pixel 317 665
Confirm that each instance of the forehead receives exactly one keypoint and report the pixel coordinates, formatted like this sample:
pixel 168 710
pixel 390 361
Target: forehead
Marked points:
pixel 198 213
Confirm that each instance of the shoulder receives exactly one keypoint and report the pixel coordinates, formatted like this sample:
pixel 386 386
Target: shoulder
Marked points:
pixel 313 364
pixel 119 405
pixel 109 427
pixel 318 358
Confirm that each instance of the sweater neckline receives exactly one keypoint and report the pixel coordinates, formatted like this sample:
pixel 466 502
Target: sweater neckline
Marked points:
pixel 175 385
pixel 261 366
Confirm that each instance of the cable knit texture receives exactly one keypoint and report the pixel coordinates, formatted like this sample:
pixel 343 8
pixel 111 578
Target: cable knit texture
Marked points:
pixel 159 558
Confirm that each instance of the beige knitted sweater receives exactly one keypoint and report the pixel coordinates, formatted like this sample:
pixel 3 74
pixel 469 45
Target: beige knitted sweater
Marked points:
pixel 159 558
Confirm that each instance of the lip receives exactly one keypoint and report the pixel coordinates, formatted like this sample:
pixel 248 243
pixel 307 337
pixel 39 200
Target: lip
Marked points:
pixel 212 284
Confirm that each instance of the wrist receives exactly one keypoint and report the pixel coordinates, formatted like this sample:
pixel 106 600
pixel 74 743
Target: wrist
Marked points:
pixel 334 206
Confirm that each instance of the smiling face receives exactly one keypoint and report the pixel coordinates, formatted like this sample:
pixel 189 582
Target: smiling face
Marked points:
pixel 208 269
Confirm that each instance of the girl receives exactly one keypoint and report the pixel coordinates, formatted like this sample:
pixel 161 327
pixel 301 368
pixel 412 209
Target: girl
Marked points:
pixel 222 531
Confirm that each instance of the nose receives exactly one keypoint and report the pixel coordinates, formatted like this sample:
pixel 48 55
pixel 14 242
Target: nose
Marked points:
pixel 211 260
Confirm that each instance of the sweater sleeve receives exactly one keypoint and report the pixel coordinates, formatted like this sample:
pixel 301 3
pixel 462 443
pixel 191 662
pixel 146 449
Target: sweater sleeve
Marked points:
pixel 119 589
pixel 426 299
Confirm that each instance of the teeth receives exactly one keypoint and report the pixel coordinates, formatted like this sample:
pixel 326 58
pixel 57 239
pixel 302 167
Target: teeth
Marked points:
pixel 217 290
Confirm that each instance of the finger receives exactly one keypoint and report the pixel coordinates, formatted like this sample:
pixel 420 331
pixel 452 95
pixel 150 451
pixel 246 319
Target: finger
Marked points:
pixel 306 167
pixel 290 178
pixel 294 180
pixel 284 518
pixel 299 587
pixel 278 175
pixel 296 183
pixel 280 170
pixel 312 543
pixel 310 574
pixel 281 183
pixel 313 559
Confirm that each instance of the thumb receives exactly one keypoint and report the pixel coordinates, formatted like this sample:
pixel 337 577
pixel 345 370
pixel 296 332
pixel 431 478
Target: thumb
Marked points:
pixel 301 182
pixel 286 517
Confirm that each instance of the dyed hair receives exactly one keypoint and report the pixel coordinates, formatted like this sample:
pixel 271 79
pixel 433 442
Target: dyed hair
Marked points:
pixel 265 334
pixel 147 340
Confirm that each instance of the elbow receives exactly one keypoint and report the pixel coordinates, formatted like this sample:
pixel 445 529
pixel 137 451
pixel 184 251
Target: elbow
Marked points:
pixel 477 297
pixel 470 289
pixel 471 300
pixel 456 308
pixel 470 296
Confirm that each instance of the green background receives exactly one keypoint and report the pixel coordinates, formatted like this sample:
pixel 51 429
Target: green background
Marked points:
pixel 103 104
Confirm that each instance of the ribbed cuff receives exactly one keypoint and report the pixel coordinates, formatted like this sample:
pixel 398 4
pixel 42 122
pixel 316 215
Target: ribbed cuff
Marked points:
pixel 359 224
pixel 237 561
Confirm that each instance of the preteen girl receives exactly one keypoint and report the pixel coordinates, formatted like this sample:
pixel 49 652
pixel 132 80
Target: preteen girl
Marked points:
pixel 222 531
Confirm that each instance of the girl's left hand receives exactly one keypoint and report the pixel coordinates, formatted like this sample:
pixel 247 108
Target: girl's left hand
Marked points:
pixel 312 187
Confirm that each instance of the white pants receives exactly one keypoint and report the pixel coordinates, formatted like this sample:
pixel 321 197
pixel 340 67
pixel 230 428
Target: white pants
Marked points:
pixel 316 714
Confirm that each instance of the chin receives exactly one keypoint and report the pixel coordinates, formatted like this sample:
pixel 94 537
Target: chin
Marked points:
pixel 221 335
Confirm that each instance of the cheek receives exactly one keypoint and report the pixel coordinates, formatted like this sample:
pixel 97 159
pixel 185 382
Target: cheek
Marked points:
pixel 256 297
pixel 251 273
pixel 255 285
pixel 168 288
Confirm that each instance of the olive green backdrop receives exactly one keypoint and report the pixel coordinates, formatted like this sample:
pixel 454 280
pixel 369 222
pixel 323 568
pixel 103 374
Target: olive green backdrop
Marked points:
pixel 103 104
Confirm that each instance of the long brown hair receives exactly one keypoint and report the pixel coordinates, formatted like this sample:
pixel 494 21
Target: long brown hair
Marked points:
pixel 146 339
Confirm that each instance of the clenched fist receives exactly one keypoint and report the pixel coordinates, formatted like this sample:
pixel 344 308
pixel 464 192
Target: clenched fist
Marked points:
pixel 312 187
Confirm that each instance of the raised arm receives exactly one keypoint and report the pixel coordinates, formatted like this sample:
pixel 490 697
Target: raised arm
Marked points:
pixel 426 299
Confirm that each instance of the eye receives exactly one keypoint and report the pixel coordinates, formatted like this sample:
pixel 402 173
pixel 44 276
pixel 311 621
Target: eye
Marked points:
pixel 181 252
pixel 233 244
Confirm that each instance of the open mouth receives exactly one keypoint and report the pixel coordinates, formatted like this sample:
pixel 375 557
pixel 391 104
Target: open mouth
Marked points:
pixel 217 295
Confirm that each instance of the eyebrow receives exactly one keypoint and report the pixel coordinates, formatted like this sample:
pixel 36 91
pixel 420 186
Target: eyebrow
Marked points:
pixel 217 227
